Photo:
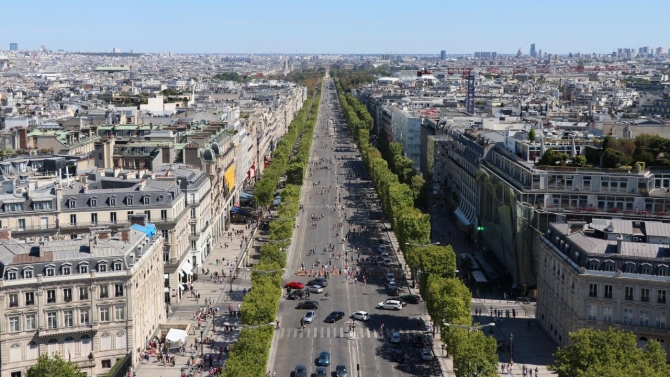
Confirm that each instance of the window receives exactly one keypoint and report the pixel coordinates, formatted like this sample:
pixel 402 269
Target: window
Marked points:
pixel 193 230
pixel 609 267
pixel 83 268
pixel 165 233
pixel 73 219
pixel 129 200
pixel 31 321
pixel 51 295
pixel 22 224
pixel 15 374
pixel 112 217
pixel 145 200
pixel 13 207
pixel 644 294
pixel 592 312
pixel 646 270
pixel 83 316
pixel 193 245
pixel 117 266
pixel 11 275
pixel 164 214
pixel 94 202
pixel 50 271
pixel 107 363
pixel 13 300
pixel 627 316
pixel 120 313
pixel 83 293
pixel 644 317
pixel 28 273
pixel 51 320
pixel 630 268
pixel 629 293
pixel 102 267
pixel 94 218
pixel 104 291
pixel 193 213
pixel 148 213
pixel 607 314
pixel 72 203
pixel 67 270
pixel 118 290
pixel 608 291
pixel 104 314
pixel 593 290
pixel 660 320
pixel 68 318
pixel 67 294
pixel 14 324
pixel 112 202
pixel 30 298
pixel 661 296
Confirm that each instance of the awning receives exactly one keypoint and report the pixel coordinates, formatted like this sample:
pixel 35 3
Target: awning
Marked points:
pixel 176 335
pixel 246 195
pixel 465 212
pixel 239 210
pixel 479 277
pixel 188 270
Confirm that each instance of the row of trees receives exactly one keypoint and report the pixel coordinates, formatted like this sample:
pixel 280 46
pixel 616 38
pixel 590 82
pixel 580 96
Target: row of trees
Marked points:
pixel 259 308
pixel 447 298
pixel 403 167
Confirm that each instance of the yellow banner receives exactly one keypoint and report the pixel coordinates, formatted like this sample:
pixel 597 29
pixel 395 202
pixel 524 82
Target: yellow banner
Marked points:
pixel 229 178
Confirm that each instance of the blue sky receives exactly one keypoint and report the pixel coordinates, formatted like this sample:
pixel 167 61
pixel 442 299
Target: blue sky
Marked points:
pixel 340 26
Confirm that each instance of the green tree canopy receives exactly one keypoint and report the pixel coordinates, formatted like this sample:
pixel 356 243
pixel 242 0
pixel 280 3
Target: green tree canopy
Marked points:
pixel 609 353
pixel 531 135
pixel 54 367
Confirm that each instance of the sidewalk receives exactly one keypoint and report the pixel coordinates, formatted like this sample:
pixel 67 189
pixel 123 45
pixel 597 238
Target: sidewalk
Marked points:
pixel 182 313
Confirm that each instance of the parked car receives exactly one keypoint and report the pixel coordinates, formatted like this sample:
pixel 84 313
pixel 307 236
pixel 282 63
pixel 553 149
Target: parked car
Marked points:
pixel 315 289
pixel 411 299
pixel 390 276
pixel 321 372
pixel 294 285
pixel 398 355
pixel 309 304
pixel 309 317
pixel 395 337
pixel 318 281
pixel 334 316
pixel 390 305
pixel 361 316
pixel 341 371
pixel 426 354
pixel 323 359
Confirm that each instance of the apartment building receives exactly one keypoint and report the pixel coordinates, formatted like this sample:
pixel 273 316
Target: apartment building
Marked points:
pixel 92 300
pixel 406 130
pixel 607 273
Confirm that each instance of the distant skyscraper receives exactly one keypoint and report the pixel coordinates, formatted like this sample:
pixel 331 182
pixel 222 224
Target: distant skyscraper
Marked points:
pixel 539 53
pixel 660 51
pixel 116 50
pixel 443 54
pixel 13 47
pixel 532 50
pixel 132 51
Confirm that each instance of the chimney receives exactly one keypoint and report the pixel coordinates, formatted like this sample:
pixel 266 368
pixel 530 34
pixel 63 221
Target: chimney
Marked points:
pixel 125 235
pixel 5 234
pixel 92 243
pixel 103 234
pixel 619 244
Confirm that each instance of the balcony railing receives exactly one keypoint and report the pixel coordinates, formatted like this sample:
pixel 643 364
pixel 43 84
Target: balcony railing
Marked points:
pixel 644 299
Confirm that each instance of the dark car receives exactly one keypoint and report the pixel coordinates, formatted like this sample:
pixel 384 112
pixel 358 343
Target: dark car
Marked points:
pixel 419 341
pixel 309 304
pixel 318 281
pixel 300 371
pixel 321 372
pixel 410 299
pixel 334 316
pixel 398 355
pixel 341 371
pixel 323 359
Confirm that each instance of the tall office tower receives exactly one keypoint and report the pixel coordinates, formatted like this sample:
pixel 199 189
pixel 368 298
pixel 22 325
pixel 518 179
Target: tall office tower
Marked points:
pixel 539 53
pixel 443 55
pixel 13 47
pixel 532 50
pixel 132 51
pixel 660 51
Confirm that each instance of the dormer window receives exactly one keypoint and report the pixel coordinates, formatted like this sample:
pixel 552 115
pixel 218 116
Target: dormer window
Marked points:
pixel 67 270
pixel 72 203
pixel 117 266
pixel 28 273
pixel 50 271
pixel 146 200
pixel 83 268
pixel 129 200
pixel 94 202
pixel 594 264
pixel 662 270
pixel 102 267
pixel 11 275
pixel 13 207
pixel 630 267
pixel 646 268
pixel 112 202
pixel 160 198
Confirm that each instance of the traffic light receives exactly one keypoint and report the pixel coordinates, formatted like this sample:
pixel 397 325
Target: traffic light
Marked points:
pixel 480 228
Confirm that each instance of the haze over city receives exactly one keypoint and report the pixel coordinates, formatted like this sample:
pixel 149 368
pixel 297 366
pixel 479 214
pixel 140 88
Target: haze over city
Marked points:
pixel 347 26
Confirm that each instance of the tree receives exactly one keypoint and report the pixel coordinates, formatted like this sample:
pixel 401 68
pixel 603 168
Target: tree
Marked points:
pixel 614 158
pixel 475 355
pixel 54 367
pixel 579 160
pixel 609 353
pixel 531 135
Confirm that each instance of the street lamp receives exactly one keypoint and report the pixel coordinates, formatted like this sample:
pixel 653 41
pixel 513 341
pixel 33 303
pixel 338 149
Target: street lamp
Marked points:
pixel 202 343
pixel 511 348
pixel 470 328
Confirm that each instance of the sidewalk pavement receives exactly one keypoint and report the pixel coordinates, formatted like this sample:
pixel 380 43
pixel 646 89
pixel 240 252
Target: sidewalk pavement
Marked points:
pixel 182 313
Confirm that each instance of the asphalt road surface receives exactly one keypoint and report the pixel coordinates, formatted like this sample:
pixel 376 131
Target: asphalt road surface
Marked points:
pixel 336 178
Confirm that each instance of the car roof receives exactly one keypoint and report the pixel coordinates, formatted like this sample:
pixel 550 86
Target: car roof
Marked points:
pixel 323 353
pixel 300 366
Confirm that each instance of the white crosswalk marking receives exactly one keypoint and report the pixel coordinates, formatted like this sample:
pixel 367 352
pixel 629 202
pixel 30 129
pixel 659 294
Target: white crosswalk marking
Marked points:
pixel 322 331
pixel 329 332
pixel 332 332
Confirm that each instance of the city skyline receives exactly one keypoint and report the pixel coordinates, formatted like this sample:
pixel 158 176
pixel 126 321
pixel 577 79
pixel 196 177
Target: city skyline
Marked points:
pixel 344 27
